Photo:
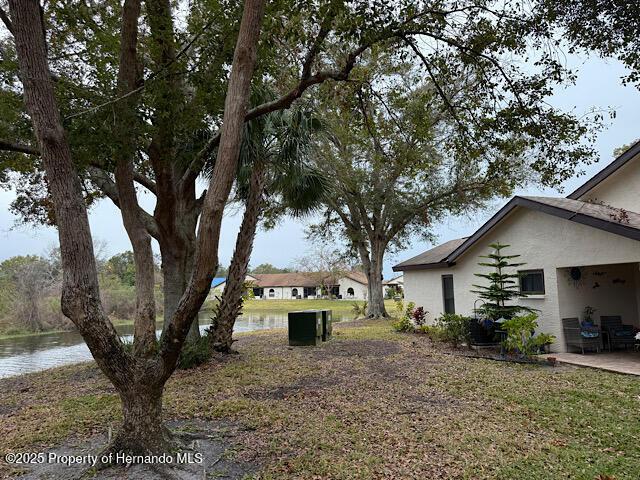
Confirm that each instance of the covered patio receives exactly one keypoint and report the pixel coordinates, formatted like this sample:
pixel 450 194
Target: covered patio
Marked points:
pixel 610 296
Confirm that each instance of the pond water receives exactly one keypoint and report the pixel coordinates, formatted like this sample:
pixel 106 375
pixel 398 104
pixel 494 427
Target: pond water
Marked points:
pixel 33 353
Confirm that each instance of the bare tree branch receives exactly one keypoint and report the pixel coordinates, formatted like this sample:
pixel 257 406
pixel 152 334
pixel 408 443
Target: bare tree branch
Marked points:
pixel 281 103
pixel 102 179
pixel 18 147
pixel 6 20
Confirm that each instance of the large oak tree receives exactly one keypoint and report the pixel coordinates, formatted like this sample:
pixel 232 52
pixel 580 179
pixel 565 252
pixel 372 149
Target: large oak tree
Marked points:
pixel 408 149
pixel 139 377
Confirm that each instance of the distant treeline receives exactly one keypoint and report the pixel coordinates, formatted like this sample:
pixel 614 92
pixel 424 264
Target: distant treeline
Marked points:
pixel 30 288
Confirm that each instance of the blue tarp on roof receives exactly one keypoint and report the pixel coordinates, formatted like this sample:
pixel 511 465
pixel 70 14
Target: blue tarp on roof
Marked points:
pixel 217 281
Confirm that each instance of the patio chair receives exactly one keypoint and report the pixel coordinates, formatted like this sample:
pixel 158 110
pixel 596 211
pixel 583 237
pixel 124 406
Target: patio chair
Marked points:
pixel 581 337
pixel 618 334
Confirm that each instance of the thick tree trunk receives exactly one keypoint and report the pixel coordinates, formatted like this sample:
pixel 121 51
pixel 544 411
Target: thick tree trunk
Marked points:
pixel 80 291
pixel 139 381
pixel 372 260
pixel 176 271
pixel 176 210
pixel 230 305
pixel 143 429
pixel 375 307
pixel 206 255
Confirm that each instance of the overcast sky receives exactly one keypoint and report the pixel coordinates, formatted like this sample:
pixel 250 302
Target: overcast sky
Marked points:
pixel 598 85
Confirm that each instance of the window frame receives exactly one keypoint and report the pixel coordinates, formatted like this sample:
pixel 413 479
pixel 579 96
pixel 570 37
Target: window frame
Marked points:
pixel 272 293
pixel 444 296
pixel 522 273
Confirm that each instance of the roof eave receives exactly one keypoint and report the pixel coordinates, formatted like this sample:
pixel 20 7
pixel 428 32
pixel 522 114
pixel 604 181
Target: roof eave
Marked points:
pixel 606 172
pixel 608 226
pixel 422 266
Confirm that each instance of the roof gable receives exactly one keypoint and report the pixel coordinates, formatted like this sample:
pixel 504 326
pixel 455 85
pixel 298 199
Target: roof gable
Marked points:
pixel 603 217
pixel 606 172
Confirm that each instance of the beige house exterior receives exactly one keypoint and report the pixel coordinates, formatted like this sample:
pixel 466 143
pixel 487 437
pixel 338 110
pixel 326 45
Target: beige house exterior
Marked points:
pixel 583 250
pixel 290 286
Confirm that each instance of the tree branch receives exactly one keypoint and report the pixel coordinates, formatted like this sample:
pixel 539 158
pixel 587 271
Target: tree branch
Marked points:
pixel 7 21
pixel 18 147
pixel 109 188
pixel 441 92
pixel 282 103
pixel 469 51
pixel 325 28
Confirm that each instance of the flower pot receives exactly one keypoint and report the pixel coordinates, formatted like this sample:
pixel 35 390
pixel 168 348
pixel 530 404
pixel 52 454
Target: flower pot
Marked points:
pixel 481 335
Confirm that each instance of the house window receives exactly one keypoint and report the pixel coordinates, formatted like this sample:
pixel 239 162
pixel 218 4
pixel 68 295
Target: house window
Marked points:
pixel 447 294
pixel 294 293
pixel 531 282
pixel 350 292
pixel 258 292
pixel 272 293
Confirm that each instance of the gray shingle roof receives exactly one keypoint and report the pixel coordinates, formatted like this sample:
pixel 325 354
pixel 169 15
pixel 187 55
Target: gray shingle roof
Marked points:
pixel 434 256
pixel 595 210
pixel 603 217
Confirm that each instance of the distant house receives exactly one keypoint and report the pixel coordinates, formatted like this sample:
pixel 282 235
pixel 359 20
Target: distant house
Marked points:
pixel 395 284
pixel 582 250
pixel 299 285
pixel 269 286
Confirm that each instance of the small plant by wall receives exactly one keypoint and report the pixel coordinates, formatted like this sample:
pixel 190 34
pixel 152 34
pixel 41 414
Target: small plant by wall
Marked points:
pixel 454 328
pixel 521 337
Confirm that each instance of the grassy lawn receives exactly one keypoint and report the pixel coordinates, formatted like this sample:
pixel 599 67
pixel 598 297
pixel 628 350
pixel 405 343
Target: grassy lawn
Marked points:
pixel 369 404
pixel 338 306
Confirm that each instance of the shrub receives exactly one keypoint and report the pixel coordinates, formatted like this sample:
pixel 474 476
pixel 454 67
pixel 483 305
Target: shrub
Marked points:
pixel 399 308
pixel 409 318
pixel 359 309
pixel 453 328
pixel 194 354
pixel 419 316
pixel 403 324
pixel 404 315
pixel 432 331
pixel 521 336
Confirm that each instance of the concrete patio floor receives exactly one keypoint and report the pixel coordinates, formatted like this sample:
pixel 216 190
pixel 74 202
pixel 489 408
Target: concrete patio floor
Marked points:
pixel 627 362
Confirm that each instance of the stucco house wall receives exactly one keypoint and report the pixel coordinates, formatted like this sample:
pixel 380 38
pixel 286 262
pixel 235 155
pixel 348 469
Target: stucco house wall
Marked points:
pixel 286 292
pixel 620 189
pixel 283 293
pixel 359 290
pixel 544 242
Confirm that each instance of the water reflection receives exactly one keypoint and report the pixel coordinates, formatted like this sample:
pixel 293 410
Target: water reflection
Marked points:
pixel 38 352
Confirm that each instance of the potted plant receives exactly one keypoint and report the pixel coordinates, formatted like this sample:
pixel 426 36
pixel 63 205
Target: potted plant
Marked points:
pixel 587 316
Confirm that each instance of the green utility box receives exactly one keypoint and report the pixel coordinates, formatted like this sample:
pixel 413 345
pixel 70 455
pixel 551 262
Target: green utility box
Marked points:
pixel 305 327
pixel 327 325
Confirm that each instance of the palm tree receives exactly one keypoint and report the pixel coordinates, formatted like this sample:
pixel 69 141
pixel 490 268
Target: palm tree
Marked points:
pixel 276 177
